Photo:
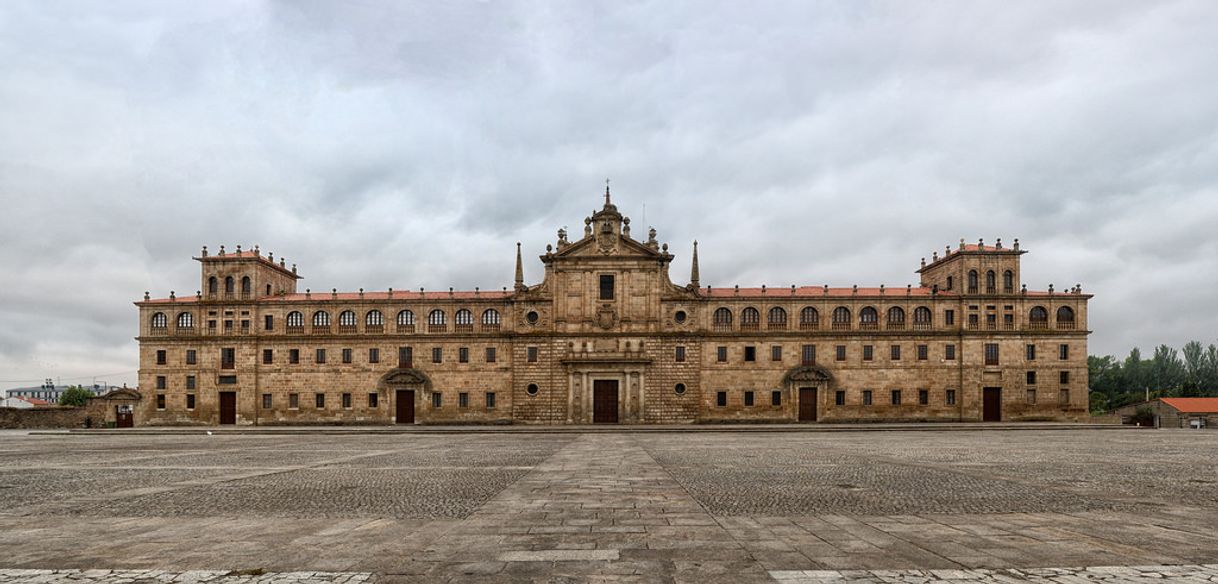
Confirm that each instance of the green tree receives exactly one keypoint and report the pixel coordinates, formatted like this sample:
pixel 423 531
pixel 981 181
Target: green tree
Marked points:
pixel 75 396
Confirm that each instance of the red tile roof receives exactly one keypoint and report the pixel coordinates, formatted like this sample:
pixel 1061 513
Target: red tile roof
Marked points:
pixel 816 291
pixel 1193 405
pixel 354 296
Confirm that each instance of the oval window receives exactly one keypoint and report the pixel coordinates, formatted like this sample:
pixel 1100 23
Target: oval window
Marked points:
pixel 679 317
pixel 532 317
pixel 532 389
pixel 680 389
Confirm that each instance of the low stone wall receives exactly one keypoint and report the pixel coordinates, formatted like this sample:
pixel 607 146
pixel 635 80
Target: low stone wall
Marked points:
pixel 18 418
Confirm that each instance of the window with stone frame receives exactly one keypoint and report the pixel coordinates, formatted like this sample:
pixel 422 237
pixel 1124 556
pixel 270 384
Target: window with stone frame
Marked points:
pixel 347 355
pixel 293 401
pixel 721 399
pixel 490 354
pixel 463 355
pixel 190 401
pixel 868 352
pixel 840 351
pixel 949 397
pixel 160 382
pixel 437 355
pixel 1063 352
pixel 531 354
pixel 268 356
pixel 750 354
pixel 192 357
pixel 839 398
pixel 1030 377
pixel 436 400
pixel 1064 377
pixel 748 398
pixel 949 352
pixel 266 401
pixel 721 354
pixel 776 353
pixel 490 400
pixel 923 397
pixel 319 400
pixel 895 352
pixel 294 356
pixel 923 352
pixel 679 357
pixel 776 398
pixel 991 353
pixel 374 355
pixel 896 397
pixel 807 354
pixel 320 356
pixel 373 400
pixel 866 397
pixel 190 382
pixel 346 401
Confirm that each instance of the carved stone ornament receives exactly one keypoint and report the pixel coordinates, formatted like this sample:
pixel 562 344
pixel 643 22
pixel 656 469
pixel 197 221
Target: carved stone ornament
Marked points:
pixel 807 374
pixel 606 318
pixel 405 377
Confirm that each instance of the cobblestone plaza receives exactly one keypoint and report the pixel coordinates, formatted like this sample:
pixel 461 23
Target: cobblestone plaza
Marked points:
pixel 610 506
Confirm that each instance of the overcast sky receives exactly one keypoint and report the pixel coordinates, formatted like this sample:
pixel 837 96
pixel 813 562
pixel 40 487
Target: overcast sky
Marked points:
pixel 381 144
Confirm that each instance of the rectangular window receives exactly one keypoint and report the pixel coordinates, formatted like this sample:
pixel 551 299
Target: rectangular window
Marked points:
pixel 776 353
pixel 490 400
pixel 268 356
pixel 868 352
pixel 268 323
pixel 973 321
pixel 807 354
pixel 839 398
pixel 606 287
pixel 680 356
pixel 211 324
pixel 1064 377
pixel 437 355
pixel 949 317
pixel 160 382
pixel 866 397
pixel 160 357
pixel 991 321
pixel 750 353
pixel 490 354
pixel 227 380
pixel 1063 352
pixel 1030 377
pixel 721 354
pixel 896 397
pixel 1031 396
pixel 347 355
pixel 228 325
pixel 463 355
pixel 436 401
pixel 721 399
pixel 1030 353
pixel 531 354
pixel 191 357
pixel 405 357
pixel 320 356
pixel 266 401
pixel 160 401
pixel 923 397
pixel 841 352
pixel 319 400
pixel 346 401
pixel 228 358
pixel 293 401
pixel 190 401
pixel 294 356
pixel 463 400
pixel 991 353
pixel 1063 396
pixel 190 382
pixel 374 355
pixel 949 352
pixel 895 351
pixel 245 325
pixel 776 398
pixel 748 398
pixel 373 399
pixel 950 397
pixel 923 352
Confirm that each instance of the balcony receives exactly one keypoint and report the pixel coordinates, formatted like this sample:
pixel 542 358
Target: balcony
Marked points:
pixel 405 328
pixel 492 327
pixel 776 326
pixel 1038 324
pixel 347 329
pixel 467 327
pixel 320 329
pixel 869 326
pixel 437 327
pixel 750 326
pixel 810 325
pixel 841 326
pixel 723 327
pixel 1066 325
pixel 295 330
pixel 922 326
pixel 972 326
pixel 158 331
pixel 374 328
pixel 895 326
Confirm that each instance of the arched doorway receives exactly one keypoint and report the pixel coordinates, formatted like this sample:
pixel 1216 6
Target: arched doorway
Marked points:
pixel 807 384
pixel 406 387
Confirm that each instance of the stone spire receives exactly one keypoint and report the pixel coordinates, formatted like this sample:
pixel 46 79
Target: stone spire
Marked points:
pixel 693 269
pixel 519 269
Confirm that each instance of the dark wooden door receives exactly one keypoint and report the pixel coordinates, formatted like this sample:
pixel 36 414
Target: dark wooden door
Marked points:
pixel 404 403
pixel 604 402
pixel 807 404
pixel 123 417
pixel 991 404
pixel 228 407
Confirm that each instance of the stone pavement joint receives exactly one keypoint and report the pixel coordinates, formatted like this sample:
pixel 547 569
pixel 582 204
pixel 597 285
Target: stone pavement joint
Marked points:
pixel 1104 574
pixel 187 577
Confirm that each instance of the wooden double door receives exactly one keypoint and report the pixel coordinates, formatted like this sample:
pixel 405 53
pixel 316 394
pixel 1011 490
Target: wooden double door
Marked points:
pixel 604 401
pixel 404 406
pixel 228 407
pixel 124 417
pixel 807 404
pixel 991 404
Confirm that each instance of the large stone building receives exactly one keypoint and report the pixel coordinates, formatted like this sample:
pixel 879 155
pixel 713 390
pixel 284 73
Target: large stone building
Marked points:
pixel 606 336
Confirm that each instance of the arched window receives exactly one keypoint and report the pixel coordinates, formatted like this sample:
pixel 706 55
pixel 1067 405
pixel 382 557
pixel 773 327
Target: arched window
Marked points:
pixel 750 319
pixel 186 320
pixel 347 321
pixel 972 281
pixel 722 319
pixel 991 282
pixel 213 286
pixel 436 320
pixel 777 318
pixel 922 317
pixel 1038 317
pixel 321 318
pixel 1008 282
pixel 228 285
pixel 869 318
pixel 159 320
pixel 295 320
pixel 1065 317
pixel 491 319
pixel 464 319
pixel 405 321
pixel 374 318
pixel 841 317
pixel 246 287
pixel 896 317
pixel 809 318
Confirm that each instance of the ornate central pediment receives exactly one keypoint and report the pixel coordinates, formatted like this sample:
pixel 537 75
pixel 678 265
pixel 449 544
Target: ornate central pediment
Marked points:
pixel 807 374
pixel 405 378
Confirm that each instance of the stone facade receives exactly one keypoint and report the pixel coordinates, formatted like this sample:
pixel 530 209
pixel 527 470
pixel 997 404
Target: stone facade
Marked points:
pixel 606 336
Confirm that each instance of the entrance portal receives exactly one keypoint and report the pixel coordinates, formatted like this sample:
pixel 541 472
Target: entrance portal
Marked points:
pixel 604 401
pixel 991 404
pixel 228 407
pixel 404 403
pixel 123 417
pixel 807 404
